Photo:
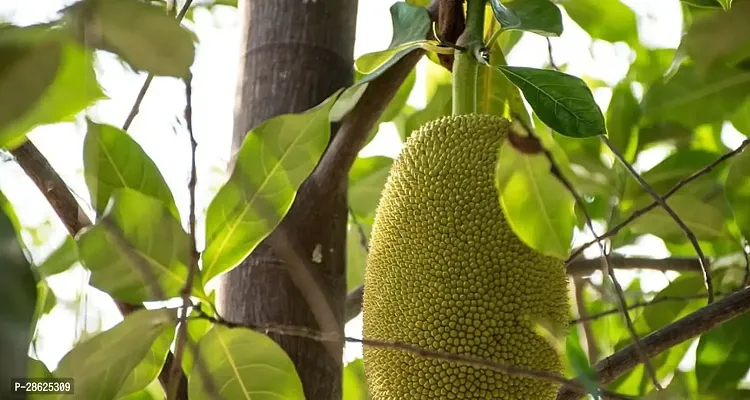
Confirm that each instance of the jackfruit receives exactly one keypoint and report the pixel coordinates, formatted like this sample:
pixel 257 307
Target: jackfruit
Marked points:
pixel 446 272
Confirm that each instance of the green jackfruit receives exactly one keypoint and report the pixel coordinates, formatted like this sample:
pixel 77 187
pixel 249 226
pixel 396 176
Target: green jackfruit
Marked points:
pixel 446 272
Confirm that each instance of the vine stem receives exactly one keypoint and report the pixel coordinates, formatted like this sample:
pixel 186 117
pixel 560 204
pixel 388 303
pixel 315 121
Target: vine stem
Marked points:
pixel 465 64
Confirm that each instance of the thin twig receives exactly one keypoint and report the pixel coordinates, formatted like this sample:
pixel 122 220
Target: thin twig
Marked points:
pixel 194 255
pixel 642 304
pixel 663 203
pixel 636 214
pixel 360 230
pixel 551 59
pixel 607 267
pixel 578 268
pixel 588 333
pixel 665 338
pixel 420 352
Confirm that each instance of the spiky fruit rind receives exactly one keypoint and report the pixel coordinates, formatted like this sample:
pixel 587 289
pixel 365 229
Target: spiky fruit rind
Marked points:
pixel 446 272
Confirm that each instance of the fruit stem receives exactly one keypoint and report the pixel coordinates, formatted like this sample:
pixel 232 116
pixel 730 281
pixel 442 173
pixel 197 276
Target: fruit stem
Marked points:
pixel 465 65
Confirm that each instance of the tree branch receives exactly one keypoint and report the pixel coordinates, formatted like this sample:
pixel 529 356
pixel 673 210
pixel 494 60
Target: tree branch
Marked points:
pixel 671 335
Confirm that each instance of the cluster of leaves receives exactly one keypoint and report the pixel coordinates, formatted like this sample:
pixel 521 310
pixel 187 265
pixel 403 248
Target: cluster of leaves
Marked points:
pixel 138 251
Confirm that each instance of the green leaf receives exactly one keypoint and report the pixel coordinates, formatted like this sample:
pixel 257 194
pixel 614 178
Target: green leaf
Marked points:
pixel 704 3
pixel 148 369
pixel 691 98
pixel 27 70
pixel 737 190
pixel 539 16
pixel 61 259
pixel 663 132
pixel 244 364
pixel 141 33
pixel 74 88
pixel 366 180
pixel 609 20
pixel 741 118
pixel 354 381
pixel 704 219
pixel 154 391
pixel 622 119
pixel 19 290
pixel 723 355
pixel 537 206
pixel 113 160
pixel 155 238
pixel 504 15
pixel 561 101
pixel 411 24
pixel 102 364
pixel 722 38
pixel 45 301
pixel 650 65
pixel 37 369
pixel 273 161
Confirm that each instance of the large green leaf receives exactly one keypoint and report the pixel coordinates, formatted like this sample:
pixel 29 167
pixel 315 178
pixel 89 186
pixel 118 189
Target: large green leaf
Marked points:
pixel 273 161
pixel 61 259
pixel 650 65
pixel 504 15
pixel 113 160
pixel 723 355
pixel 243 364
pixel 411 24
pixel 609 20
pixel 101 365
pixel 148 369
pixel 27 70
pixel 366 180
pixel 561 101
pixel 538 16
pixel 720 38
pixel 737 190
pixel 196 329
pixel 691 98
pixel 354 381
pixel 155 267
pixel 19 290
pixel 142 34
pixel 537 206
pixel 45 301
pixel 73 89
pixel 622 118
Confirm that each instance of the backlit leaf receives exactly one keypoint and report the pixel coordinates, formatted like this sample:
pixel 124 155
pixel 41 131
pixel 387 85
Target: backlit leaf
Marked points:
pixel 273 161
pixel 539 16
pixel 148 369
pixel 609 20
pixel 537 206
pixel 156 240
pixel 704 219
pixel 113 160
pixel 142 34
pixel 101 365
pixel 61 259
pixel 354 381
pixel 720 38
pixel 691 98
pixel 622 117
pixel 366 180
pixel 244 364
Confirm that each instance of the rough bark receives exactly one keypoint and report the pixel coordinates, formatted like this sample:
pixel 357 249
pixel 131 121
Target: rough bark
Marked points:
pixel 295 53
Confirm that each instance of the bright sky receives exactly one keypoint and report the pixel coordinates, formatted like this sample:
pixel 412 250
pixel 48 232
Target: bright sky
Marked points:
pixel 214 79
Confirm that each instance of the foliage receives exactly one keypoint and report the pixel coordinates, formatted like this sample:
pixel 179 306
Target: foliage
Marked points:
pixel 671 115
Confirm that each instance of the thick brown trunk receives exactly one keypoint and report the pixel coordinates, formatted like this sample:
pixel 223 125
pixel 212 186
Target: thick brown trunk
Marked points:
pixel 295 54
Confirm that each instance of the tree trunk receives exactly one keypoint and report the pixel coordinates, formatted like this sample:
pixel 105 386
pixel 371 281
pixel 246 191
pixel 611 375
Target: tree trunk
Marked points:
pixel 295 54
